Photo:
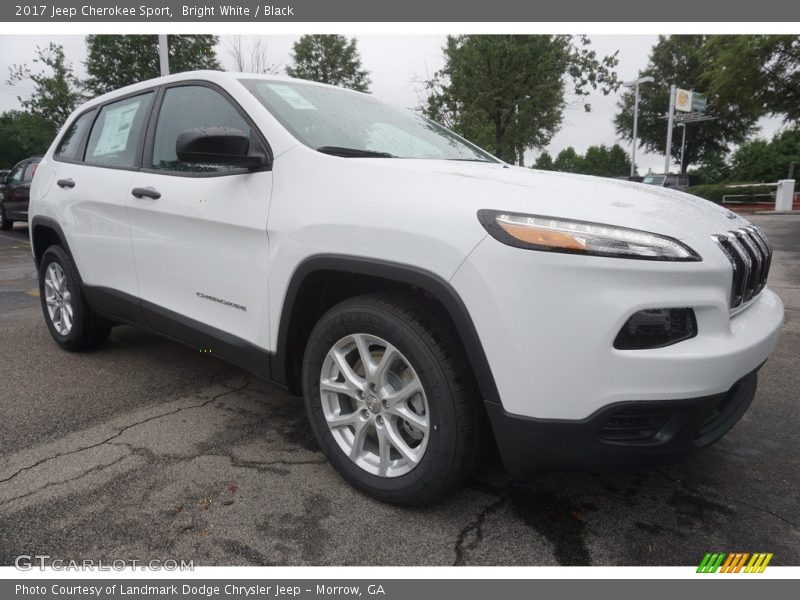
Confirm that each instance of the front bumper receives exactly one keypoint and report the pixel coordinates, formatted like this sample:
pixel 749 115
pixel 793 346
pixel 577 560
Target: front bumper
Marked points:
pixel 626 434
pixel 547 323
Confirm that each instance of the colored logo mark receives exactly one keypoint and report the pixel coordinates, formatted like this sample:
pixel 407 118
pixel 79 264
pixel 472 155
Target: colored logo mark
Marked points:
pixel 734 562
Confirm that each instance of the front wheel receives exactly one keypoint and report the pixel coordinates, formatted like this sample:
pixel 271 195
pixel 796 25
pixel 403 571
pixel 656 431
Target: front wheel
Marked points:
pixel 390 399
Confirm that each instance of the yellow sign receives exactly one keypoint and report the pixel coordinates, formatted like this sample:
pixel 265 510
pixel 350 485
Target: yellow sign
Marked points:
pixel 683 100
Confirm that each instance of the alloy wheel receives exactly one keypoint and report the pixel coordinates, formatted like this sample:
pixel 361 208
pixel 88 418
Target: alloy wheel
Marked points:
pixel 58 298
pixel 374 405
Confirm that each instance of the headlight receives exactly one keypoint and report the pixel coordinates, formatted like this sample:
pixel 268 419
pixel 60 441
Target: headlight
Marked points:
pixel 551 234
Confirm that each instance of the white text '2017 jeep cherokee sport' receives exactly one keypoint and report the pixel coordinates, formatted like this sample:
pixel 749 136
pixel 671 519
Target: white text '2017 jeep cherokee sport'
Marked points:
pixel 413 288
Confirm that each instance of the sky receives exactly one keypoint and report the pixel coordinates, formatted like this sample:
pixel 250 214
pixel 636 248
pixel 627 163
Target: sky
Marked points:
pixel 398 64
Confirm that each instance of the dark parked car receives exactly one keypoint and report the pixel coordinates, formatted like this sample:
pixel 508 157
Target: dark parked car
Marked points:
pixel 15 187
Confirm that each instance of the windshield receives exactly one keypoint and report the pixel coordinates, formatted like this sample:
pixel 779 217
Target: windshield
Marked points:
pixel 349 124
pixel 654 180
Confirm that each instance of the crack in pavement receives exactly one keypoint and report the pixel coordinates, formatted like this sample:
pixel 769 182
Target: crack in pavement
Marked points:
pixel 270 465
pixel 699 492
pixel 234 460
pixel 123 430
pixel 65 481
pixel 461 546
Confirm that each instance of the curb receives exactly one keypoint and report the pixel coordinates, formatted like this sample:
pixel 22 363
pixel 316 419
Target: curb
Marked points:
pixel 777 212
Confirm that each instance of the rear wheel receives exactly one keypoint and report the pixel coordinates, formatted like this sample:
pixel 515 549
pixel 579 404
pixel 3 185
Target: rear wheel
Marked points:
pixel 68 316
pixel 390 399
pixel 5 223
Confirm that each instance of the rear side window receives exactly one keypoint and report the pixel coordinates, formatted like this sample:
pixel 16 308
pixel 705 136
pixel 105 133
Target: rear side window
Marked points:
pixel 118 131
pixel 30 170
pixel 70 144
pixel 192 107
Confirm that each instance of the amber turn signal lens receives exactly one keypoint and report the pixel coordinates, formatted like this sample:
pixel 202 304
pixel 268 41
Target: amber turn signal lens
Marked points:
pixel 542 237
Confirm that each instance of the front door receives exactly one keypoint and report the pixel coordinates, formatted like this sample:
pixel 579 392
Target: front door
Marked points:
pixel 200 231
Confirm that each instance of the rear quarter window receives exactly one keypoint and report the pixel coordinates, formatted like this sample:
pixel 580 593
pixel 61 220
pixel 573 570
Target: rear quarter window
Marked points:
pixel 70 145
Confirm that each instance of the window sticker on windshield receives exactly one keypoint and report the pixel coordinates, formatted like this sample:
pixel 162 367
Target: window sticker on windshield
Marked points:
pixel 292 97
pixel 116 129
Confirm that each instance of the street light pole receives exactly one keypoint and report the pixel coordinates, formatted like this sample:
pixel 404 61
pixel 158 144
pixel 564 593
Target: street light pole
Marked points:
pixel 670 122
pixel 635 130
pixel 635 85
pixel 683 143
pixel 163 54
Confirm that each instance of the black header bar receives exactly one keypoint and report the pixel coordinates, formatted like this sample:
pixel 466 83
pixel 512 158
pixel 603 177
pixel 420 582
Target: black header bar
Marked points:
pixel 472 11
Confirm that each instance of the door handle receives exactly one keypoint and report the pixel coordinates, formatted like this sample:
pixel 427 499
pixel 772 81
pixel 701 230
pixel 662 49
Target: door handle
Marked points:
pixel 145 192
pixel 65 183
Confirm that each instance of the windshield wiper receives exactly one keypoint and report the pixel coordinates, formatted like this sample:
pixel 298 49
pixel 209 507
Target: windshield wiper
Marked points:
pixel 483 160
pixel 353 152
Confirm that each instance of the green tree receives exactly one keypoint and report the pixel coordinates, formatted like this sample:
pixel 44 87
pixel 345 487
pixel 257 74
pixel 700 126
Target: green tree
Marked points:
pixel 544 162
pixel 713 168
pixel 114 61
pixel 606 162
pixel 759 71
pixel 331 59
pixel 568 161
pixel 507 93
pixel 682 60
pixel 23 134
pixel 760 160
pixel 56 89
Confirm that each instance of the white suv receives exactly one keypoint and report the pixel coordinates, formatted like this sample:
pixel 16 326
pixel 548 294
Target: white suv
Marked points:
pixel 417 291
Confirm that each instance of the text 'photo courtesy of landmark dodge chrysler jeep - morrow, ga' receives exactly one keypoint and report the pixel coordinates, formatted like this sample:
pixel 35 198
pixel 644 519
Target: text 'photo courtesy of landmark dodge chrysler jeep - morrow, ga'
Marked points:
pixel 419 293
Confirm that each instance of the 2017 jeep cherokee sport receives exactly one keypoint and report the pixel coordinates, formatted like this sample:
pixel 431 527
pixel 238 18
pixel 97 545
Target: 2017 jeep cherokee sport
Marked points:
pixel 411 286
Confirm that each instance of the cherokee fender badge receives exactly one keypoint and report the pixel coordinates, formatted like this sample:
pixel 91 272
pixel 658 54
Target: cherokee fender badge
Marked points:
pixel 221 301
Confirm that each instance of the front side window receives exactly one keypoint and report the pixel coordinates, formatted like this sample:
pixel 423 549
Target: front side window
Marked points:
pixel 16 173
pixel 117 132
pixel 195 107
pixel 71 142
pixel 346 123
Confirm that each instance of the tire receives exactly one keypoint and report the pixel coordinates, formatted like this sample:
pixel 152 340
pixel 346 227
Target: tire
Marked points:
pixel 5 223
pixel 419 466
pixel 83 330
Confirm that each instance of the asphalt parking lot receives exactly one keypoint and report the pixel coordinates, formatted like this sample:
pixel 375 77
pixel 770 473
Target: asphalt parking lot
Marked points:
pixel 149 450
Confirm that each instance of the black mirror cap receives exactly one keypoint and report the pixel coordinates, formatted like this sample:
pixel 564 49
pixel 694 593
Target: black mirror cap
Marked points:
pixel 217 146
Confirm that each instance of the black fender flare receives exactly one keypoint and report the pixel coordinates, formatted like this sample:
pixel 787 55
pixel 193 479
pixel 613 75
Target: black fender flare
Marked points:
pixel 40 221
pixel 431 283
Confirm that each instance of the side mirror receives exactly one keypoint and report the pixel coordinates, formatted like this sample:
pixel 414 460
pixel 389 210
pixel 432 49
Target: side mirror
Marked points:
pixel 217 146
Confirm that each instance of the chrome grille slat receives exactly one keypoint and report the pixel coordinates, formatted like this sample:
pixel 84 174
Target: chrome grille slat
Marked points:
pixel 748 265
pixel 762 247
pixel 754 276
pixel 735 295
pixel 750 254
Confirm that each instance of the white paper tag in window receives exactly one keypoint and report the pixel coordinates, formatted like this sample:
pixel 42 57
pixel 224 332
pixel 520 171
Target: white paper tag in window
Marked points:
pixel 116 129
pixel 294 98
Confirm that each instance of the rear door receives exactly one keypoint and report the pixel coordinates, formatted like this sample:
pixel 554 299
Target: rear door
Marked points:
pixel 201 245
pixel 94 166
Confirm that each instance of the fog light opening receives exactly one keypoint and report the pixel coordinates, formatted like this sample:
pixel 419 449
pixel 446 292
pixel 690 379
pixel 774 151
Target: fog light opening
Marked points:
pixel 656 328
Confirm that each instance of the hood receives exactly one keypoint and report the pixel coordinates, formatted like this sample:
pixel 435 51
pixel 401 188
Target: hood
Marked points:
pixel 581 197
